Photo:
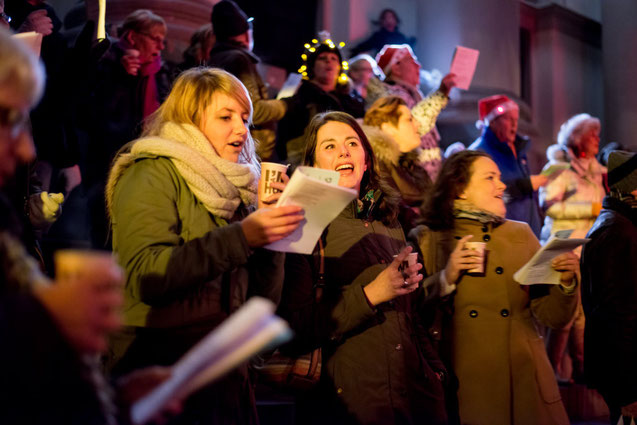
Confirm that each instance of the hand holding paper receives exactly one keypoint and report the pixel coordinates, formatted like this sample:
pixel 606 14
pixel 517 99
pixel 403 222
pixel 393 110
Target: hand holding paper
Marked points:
pixel 318 193
pixel 554 263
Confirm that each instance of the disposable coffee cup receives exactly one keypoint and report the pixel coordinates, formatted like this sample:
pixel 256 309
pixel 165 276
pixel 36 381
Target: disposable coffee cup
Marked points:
pixel 411 259
pixel 270 172
pixel 72 264
pixel 479 248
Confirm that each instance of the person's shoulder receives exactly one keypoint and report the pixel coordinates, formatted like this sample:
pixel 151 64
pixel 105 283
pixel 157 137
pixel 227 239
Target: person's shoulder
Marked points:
pixel 517 230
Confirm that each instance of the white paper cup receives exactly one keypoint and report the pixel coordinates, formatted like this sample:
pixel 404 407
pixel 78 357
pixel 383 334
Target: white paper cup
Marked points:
pixel 270 172
pixel 411 259
pixel 72 264
pixel 479 248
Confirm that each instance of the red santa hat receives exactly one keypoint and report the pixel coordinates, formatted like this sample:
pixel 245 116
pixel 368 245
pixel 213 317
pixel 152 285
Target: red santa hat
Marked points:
pixel 489 108
pixel 390 54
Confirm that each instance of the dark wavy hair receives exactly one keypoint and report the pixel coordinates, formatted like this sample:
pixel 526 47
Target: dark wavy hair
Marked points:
pixel 387 209
pixel 437 209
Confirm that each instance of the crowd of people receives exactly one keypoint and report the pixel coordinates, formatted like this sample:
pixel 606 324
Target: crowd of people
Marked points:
pixel 169 160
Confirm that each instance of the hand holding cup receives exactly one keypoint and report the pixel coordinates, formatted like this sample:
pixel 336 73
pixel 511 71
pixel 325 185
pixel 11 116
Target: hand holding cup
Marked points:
pixel 462 259
pixel 399 278
pixel 273 180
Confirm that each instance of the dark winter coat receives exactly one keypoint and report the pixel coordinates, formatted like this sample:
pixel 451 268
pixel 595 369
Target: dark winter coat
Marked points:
pixel 308 101
pixel 521 200
pixel 378 368
pixel 115 110
pixel 609 297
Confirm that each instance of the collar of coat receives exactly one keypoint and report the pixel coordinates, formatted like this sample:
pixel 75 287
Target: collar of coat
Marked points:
pixel 232 46
pixel 489 138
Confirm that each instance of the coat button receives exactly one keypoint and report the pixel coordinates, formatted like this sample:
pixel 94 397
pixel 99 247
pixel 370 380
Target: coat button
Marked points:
pixel 457 237
pixel 499 270
pixel 486 238
pixel 399 347
pixel 473 313
pixel 504 312
pixel 485 229
pixel 339 390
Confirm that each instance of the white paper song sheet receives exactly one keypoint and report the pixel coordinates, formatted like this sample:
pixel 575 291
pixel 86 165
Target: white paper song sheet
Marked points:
pixel 253 328
pixel 538 269
pixel 290 86
pixel 464 64
pixel 318 193
pixel 32 39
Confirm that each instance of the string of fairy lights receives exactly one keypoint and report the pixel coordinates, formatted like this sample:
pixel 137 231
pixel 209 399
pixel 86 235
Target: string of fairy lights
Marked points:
pixel 311 48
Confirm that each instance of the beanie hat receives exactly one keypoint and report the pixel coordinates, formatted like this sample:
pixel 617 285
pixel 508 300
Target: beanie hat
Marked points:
pixel 622 171
pixel 391 54
pixel 312 52
pixel 228 20
pixel 489 108
pixel 312 56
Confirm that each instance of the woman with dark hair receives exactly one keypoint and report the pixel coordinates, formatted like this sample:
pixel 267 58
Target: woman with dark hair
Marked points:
pixel 378 365
pixel 490 339
pixel 325 87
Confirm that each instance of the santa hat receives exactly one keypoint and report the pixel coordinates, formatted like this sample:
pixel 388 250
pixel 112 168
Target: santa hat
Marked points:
pixel 391 54
pixel 489 108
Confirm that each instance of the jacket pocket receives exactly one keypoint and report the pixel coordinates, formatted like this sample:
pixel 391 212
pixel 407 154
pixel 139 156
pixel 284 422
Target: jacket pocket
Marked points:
pixel 544 372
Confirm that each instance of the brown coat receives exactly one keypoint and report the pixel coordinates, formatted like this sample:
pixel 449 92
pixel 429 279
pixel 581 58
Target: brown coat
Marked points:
pixel 504 373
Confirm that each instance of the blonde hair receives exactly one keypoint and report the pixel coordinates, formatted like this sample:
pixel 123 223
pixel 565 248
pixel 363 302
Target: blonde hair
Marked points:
pixel 192 92
pixel 20 68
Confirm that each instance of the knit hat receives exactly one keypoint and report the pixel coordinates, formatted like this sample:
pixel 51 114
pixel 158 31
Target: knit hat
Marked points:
pixel 489 108
pixel 622 171
pixel 312 51
pixel 228 20
pixel 572 129
pixel 391 54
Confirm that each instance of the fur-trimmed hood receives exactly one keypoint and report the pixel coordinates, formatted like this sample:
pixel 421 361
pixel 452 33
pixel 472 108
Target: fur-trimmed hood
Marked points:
pixel 385 147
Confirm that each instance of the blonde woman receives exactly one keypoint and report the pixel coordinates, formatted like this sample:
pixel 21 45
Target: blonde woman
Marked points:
pixel 182 205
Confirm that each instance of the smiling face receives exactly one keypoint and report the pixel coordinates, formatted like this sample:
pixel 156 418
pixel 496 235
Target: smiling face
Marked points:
pixel 326 68
pixel 485 189
pixel 150 42
pixel 405 133
pixel 225 125
pixel 339 148
pixel 505 127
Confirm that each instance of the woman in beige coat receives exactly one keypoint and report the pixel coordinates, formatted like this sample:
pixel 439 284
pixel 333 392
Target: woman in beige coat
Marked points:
pixel 493 347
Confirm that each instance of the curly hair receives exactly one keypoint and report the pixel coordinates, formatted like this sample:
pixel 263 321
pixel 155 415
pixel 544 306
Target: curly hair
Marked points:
pixel 437 209
pixel 387 210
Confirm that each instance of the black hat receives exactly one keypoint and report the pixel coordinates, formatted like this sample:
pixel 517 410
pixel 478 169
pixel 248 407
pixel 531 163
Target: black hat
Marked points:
pixel 325 46
pixel 228 20
pixel 622 171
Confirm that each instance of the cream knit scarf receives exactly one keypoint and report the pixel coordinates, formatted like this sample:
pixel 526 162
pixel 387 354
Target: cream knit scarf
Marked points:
pixel 219 184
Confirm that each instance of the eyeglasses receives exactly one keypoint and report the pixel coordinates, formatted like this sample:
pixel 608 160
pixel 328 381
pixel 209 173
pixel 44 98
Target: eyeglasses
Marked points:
pixel 156 38
pixel 5 17
pixel 14 120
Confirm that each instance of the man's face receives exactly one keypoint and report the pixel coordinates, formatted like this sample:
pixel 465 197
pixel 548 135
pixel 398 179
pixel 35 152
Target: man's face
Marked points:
pixel 505 126
pixel 407 69
pixel 16 144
